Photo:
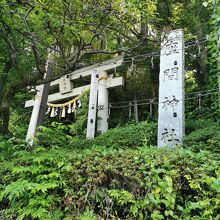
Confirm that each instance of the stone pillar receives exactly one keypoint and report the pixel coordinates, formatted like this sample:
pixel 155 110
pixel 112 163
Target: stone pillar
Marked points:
pixel 102 120
pixel 34 116
pixel 39 108
pixel 91 122
pixel 171 121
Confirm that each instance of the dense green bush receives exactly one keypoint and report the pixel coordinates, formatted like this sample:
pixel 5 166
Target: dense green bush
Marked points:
pixel 33 183
pixel 54 135
pixel 118 175
pixel 133 135
pixel 148 183
pixel 143 183
pixel 194 125
pixel 60 134
pixel 204 135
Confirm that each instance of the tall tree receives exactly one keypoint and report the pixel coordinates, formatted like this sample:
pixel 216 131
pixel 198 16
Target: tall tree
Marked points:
pixel 75 30
pixel 80 32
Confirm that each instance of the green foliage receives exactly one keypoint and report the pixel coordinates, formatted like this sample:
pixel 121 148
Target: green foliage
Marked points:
pixel 108 182
pixel 203 137
pixel 55 134
pixel 148 183
pixel 131 135
pixel 213 47
pixel 78 128
pixel 118 175
pixel 60 134
pixel 87 215
pixel 35 185
pixel 19 116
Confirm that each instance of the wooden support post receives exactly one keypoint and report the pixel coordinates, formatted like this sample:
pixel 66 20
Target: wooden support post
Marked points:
pixel 129 113
pixel 39 106
pixel 151 108
pixel 91 123
pixel 136 109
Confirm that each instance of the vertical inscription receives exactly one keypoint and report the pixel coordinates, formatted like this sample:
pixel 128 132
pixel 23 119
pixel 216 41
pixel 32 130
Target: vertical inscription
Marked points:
pixel 171 90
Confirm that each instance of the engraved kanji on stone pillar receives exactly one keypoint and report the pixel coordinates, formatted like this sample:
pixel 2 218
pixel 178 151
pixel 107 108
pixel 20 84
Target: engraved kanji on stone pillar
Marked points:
pixel 171 121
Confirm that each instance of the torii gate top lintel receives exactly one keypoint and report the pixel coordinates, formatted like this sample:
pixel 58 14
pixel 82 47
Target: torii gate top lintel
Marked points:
pixel 86 71
pixel 66 86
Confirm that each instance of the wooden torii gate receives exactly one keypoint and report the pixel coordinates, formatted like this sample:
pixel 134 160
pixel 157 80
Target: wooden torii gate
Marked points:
pixel 100 83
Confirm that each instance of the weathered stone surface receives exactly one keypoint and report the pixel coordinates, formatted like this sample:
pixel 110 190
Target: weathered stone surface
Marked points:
pixel 171 90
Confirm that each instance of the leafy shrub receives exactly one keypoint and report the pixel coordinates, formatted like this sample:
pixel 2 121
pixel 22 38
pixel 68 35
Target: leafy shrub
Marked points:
pixel 34 184
pixel 20 116
pixel 112 178
pixel 78 128
pixel 148 183
pixel 141 183
pixel 60 134
pixel 54 135
pixel 194 125
pixel 134 135
pixel 205 137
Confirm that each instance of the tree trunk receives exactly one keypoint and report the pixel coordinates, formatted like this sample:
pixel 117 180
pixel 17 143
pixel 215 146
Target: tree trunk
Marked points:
pixel 4 119
pixel 5 103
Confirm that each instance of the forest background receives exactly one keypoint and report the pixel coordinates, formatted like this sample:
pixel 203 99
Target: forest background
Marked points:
pixel 120 174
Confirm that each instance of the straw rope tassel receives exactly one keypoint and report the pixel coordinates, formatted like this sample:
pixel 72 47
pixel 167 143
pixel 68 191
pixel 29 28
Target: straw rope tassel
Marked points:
pixel 63 112
pixel 56 111
pixel 79 103
pixel 48 110
pixel 74 107
pixel 52 114
pixel 69 109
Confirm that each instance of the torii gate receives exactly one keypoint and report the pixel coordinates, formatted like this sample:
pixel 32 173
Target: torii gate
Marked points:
pixel 100 83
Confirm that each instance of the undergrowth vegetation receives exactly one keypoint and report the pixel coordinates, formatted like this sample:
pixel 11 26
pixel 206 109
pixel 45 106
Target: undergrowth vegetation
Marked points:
pixel 204 135
pixel 118 175
pixel 131 136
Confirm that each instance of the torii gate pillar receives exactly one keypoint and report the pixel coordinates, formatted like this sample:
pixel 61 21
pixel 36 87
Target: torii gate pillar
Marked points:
pixel 39 106
pixel 99 90
pixel 102 120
